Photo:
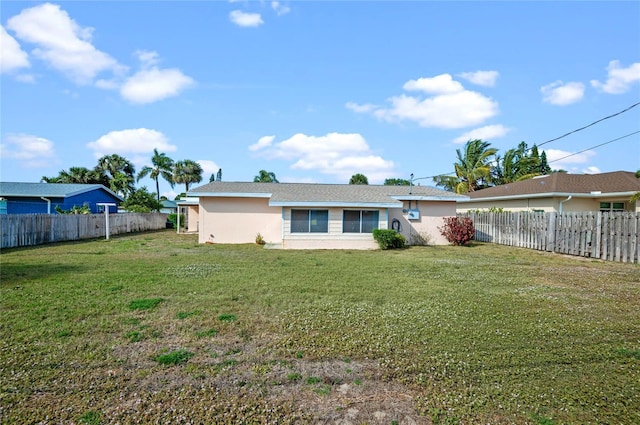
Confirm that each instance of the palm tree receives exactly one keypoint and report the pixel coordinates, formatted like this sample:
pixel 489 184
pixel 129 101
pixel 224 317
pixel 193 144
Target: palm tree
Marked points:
pixel 265 176
pixel 187 171
pixel 79 175
pixel 517 165
pixel 473 169
pixel 359 179
pixel 118 173
pixel 162 167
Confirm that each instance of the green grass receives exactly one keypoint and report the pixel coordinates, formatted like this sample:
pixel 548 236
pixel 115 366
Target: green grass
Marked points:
pixel 483 334
pixel 174 357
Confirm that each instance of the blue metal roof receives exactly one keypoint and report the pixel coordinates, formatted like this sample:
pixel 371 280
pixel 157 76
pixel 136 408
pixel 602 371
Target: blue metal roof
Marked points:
pixel 49 190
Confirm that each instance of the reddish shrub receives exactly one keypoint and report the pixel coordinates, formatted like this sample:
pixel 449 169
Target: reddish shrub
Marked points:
pixel 458 231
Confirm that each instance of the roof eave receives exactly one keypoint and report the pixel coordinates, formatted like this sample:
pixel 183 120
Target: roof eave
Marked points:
pixel 550 195
pixel 429 198
pixel 228 195
pixel 335 204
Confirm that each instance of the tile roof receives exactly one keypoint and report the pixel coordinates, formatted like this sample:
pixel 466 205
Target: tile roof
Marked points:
pixel 336 194
pixel 52 190
pixel 563 183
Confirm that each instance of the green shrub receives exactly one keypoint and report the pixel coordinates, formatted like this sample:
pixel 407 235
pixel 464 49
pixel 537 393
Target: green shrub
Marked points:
pixel 389 239
pixel 173 219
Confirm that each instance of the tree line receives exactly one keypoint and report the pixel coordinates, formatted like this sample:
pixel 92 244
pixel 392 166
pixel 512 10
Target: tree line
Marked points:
pixel 119 175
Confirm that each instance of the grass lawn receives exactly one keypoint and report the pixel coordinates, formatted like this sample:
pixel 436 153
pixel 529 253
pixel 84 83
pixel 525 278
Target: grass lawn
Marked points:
pixel 155 328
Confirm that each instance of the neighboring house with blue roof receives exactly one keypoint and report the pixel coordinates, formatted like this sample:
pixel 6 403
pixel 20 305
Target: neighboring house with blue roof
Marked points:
pixel 169 207
pixel 43 198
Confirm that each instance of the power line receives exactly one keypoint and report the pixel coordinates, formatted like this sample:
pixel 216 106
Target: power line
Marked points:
pixel 597 146
pixel 589 125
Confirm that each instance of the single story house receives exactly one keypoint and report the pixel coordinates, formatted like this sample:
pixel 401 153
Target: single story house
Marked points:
pixel 43 198
pixel 168 206
pixel 560 192
pixel 319 216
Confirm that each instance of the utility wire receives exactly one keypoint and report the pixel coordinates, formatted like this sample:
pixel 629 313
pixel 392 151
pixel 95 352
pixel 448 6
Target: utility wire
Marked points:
pixel 555 160
pixel 597 146
pixel 589 125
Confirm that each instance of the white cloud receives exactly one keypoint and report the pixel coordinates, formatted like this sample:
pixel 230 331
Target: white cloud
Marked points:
pixel 243 19
pixel 619 80
pixel 481 78
pixel 151 85
pixel 451 106
pixel 62 43
pixel 279 8
pixel 263 142
pixel 485 133
pixel 136 140
pixel 208 167
pixel 592 170
pixel 12 57
pixel 147 58
pixel 367 107
pixel 32 151
pixel 559 159
pixel 457 110
pixel 440 84
pixel 559 93
pixel 336 154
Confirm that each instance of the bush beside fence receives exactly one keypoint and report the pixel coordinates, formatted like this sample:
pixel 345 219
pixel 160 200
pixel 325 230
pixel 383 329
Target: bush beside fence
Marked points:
pixel 36 229
pixel 607 236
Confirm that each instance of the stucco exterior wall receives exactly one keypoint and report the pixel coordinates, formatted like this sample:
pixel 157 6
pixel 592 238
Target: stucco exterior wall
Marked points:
pixel 193 218
pixel 238 220
pixel 426 227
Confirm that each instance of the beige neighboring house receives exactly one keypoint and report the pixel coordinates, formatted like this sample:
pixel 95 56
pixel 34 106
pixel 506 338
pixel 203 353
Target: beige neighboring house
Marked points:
pixel 560 192
pixel 319 216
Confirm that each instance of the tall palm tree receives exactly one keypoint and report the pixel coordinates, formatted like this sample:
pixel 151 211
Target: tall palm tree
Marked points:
pixel 162 167
pixel 473 168
pixel 119 173
pixel 187 171
pixel 474 165
pixel 79 175
pixel 265 176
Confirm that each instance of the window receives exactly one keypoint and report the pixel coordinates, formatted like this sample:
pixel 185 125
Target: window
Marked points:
pixel 611 206
pixel 309 221
pixel 359 221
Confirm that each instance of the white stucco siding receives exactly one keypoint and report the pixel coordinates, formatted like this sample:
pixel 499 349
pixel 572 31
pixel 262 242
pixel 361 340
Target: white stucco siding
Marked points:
pixel 238 220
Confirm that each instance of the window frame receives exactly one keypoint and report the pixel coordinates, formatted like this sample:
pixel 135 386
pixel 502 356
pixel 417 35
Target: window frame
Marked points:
pixel 611 206
pixel 309 221
pixel 365 226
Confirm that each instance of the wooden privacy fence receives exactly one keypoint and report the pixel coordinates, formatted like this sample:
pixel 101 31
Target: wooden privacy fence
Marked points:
pixel 36 229
pixel 607 236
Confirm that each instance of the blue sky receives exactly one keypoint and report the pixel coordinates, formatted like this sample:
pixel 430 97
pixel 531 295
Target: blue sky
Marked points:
pixel 315 91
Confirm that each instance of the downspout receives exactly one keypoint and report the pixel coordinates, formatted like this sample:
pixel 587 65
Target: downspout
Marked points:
pixel 48 204
pixel 562 202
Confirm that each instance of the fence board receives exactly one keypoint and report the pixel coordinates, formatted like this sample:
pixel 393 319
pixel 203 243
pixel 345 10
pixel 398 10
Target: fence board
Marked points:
pixel 607 236
pixel 36 229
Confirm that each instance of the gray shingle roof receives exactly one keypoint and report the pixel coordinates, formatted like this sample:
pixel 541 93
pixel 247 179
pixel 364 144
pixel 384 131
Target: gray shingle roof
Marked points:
pixel 614 182
pixel 282 194
pixel 49 190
